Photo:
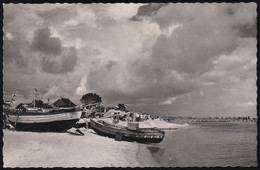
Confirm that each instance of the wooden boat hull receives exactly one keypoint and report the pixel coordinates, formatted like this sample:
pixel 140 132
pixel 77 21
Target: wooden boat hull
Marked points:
pixel 140 135
pixel 54 122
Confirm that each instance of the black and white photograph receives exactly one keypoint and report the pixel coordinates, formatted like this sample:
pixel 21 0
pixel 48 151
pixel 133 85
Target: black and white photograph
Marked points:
pixel 129 85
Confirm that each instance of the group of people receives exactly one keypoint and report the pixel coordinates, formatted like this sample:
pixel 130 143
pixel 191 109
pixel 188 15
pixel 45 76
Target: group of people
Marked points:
pixel 117 117
pixel 132 117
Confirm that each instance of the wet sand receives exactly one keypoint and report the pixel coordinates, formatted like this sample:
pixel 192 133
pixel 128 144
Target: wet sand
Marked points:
pixel 145 156
pixel 34 149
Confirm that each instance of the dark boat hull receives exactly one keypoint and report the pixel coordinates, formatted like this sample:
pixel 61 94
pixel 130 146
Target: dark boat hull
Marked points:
pixel 57 126
pixel 139 136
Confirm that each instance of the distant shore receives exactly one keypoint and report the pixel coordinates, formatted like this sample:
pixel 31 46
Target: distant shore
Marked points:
pixel 31 149
pixel 210 119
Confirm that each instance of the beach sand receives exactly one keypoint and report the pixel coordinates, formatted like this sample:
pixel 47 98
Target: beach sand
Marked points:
pixel 34 149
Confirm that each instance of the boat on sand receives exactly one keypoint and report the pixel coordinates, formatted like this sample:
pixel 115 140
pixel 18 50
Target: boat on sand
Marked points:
pixel 38 120
pixel 39 116
pixel 141 135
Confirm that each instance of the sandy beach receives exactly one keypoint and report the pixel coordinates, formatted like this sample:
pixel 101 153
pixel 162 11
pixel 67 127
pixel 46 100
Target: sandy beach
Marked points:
pixel 39 149
pixel 33 149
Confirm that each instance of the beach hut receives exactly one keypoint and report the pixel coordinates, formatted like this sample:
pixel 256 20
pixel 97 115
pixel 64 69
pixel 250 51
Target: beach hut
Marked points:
pixel 63 102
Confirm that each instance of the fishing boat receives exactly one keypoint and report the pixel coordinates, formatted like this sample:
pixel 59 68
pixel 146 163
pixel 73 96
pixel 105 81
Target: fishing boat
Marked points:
pixel 39 116
pixel 41 120
pixel 141 135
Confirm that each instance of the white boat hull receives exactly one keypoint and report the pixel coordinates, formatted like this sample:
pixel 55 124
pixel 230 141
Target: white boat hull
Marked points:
pixel 44 118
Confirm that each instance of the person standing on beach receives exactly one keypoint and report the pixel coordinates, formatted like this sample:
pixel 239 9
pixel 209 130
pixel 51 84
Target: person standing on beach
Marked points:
pixel 116 117
pixel 170 159
pixel 131 117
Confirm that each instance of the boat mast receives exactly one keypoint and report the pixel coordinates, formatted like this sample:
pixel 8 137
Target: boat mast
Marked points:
pixel 35 90
pixel 34 99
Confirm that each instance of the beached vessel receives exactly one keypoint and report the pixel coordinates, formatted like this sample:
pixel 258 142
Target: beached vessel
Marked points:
pixel 39 116
pixel 142 135
pixel 41 120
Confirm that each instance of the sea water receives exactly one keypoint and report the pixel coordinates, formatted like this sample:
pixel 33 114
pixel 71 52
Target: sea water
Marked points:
pixel 208 144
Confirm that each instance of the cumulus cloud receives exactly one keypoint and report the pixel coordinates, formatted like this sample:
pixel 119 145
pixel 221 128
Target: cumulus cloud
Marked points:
pixel 55 58
pixel 65 62
pixel 43 42
pixel 205 34
pixel 81 89
pixel 12 48
pixel 247 104
pixel 247 30
pixel 161 58
pixel 110 64
pixel 56 15
pixel 8 18
pixel 241 63
pixel 168 101
pixel 147 11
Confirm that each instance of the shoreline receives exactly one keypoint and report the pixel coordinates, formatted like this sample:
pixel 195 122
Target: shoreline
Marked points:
pixel 147 152
pixel 145 157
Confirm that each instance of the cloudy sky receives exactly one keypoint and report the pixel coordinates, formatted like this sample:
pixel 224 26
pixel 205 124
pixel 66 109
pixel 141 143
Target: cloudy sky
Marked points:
pixel 166 59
